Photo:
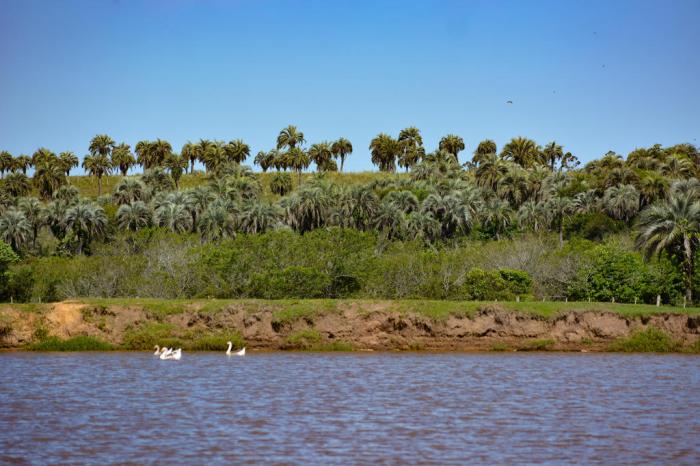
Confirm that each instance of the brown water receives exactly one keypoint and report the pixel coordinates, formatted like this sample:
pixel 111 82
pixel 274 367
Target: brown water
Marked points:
pixel 348 408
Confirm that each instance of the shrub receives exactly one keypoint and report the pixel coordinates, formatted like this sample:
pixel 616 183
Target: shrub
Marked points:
pixel 79 343
pixel 483 285
pixel 537 345
pixel 651 340
pixel 291 282
pixel 215 342
pixel 519 282
pixel 303 340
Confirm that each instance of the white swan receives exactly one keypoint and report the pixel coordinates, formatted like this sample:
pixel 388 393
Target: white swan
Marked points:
pixel 157 352
pixel 237 353
pixel 176 355
pixel 166 353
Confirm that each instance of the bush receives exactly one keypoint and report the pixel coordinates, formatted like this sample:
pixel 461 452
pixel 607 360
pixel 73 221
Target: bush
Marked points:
pixel 291 282
pixel 651 340
pixel 303 340
pixel 519 282
pixel 79 343
pixel 483 285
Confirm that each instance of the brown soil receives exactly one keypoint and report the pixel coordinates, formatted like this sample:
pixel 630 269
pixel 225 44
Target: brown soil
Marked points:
pixel 364 326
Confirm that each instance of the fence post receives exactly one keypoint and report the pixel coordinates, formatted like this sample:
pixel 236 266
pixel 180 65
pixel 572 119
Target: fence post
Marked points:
pixel 658 300
pixel 566 299
pixel 517 299
pixel 613 299
pixel 684 301
pixel 635 300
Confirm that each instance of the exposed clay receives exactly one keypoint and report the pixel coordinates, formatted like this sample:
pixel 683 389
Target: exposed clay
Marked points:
pixel 371 327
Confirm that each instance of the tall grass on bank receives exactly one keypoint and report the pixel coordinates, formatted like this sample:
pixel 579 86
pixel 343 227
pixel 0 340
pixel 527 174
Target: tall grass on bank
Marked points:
pixel 79 343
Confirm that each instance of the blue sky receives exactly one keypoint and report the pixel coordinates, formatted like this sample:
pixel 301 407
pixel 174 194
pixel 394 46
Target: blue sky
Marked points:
pixel 594 75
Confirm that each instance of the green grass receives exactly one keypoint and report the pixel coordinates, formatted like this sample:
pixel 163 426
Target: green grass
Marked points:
pixel 499 347
pixel 537 345
pixel 79 343
pixel 651 340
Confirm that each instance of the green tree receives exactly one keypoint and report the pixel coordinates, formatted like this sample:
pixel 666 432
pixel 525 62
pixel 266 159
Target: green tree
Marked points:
pixel 258 217
pixel 320 153
pixel 122 158
pixel 384 150
pixel 523 151
pixel 290 137
pixel 6 164
pixel 97 165
pixel 134 216
pixel 236 151
pixel 87 221
pixel 672 227
pixel 101 145
pixel 17 184
pixel 453 145
pixel 15 229
pixel 341 149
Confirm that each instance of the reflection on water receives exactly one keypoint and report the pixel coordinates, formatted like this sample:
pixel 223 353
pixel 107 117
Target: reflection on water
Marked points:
pixel 346 408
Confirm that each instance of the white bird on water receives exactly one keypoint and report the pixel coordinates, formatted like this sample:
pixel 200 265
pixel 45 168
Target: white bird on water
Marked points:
pixel 237 353
pixel 158 350
pixel 170 354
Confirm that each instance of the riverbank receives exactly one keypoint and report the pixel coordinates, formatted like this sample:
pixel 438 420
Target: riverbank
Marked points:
pixel 359 325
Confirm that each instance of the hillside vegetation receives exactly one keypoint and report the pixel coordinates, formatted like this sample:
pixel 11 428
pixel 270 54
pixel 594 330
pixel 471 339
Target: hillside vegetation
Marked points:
pixel 523 222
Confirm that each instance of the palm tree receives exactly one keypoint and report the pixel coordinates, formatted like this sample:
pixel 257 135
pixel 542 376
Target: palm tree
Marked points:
pixel 43 156
pixel 652 187
pixel 673 227
pixel 160 151
pixel 143 151
pixel 341 149
pixel 48 177
pixel 123 158
pixel 97 165
pixel 212 155
pixel 217 223
pixel 423 226
pixel 514 186
pixel 356 207
pixel 552 153
pixel 101 145
pixel 17 184
pixel 453 216
pixel 189 153
pixel 157 180
pixel 177 165
pixel 22 162
pixel 384 150
pixel 281 184
pixel 298 160
pixel 389 220
pixel 15 229
pixel 485 148
pixel 452 144
pixel 290 137
pixel 558 208
pixel 490 170
pixel 410 147
pixel 87 221
pixel 258 217
pixel 34 212
pixel 523 151
pixel 5 162
pixel 307 208
pixel 67 194
pixel 678 167
pixel 236 151
pixel 320 153
pixel 530 215
pixel 621 202
pixel 198 199
pixel 129 190
pixel 265 159
pixel 405 201
pixel 134 216
pixel 68 160
pixel 174 216
pixel 495 215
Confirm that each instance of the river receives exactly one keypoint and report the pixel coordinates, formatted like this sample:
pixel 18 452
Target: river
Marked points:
pixel 310 408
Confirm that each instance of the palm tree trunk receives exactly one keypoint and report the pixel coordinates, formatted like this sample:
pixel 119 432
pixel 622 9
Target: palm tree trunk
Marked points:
pixel 689 269
pixel 561 234
pixel 342 161
pixel 99 186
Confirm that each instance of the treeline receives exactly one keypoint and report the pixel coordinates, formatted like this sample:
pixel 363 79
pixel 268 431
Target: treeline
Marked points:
pixel 652 197
pixel 341 263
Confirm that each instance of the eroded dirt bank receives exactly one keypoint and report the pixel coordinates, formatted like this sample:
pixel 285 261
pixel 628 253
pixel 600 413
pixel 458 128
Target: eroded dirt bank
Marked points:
pixel 353 325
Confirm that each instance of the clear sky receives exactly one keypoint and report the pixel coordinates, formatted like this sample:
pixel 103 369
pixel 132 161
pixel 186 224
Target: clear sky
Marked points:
pixel 592 75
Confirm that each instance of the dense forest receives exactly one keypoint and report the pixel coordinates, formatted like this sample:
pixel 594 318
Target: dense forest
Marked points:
pixel 524 221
